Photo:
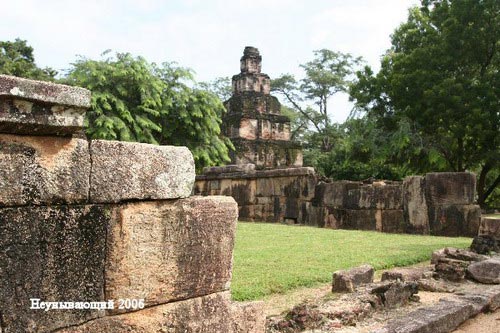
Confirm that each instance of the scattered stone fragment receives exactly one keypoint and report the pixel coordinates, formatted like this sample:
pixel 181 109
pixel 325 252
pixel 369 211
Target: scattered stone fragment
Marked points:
pixel 434 285
pixel 393 294
pixel 458 254
pixel 450 269
pixel 487 271
pixel 349 280
pixel 405 274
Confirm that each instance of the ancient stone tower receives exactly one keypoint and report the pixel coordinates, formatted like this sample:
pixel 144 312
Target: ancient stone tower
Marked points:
pixel 254 123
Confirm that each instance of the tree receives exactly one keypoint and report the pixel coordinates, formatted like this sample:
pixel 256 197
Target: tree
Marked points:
pixel 17 59
pixel 134 100
pixel 326 75
pixel 442 74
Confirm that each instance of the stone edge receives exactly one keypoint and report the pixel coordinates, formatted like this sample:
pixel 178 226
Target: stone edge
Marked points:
pixel 47 92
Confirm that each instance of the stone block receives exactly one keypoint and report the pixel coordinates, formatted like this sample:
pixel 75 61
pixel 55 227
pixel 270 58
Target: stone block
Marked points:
pixel 349 280
pixel 42 108
pixel 405 274
pixel 360 219
pixel 450 188
pixel 391 220
pixel 380 196
pixel 490 226
pixel 208 314
pixel 265 187
pixel 454 220
pixel 485 244
pixel 395 293
pixel 486 271
pixel 415 209
pixel 138 171
pixel 163 251
pixel 43 170
pixel 443 317
pixel 458 254
pixel 54 254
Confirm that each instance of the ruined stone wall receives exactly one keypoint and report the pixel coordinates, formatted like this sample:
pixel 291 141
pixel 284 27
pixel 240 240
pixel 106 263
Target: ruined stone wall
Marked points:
pixel 436 204
pixel 277 195
pixel 97 221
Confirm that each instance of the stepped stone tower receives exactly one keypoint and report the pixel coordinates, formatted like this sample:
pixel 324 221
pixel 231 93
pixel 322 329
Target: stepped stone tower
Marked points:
pixel 254 123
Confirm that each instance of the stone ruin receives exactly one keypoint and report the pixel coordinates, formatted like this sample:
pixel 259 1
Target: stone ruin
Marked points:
pixel 254 123
pixel 269 184
pixel 94 221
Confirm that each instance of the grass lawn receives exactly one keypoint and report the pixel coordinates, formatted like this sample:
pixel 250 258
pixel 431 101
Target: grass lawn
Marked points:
pixel 274 258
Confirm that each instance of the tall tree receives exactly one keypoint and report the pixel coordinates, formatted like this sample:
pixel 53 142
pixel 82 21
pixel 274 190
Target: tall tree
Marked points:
pixel 134 100
pixel 326 75
pixel 16 58
pixel 442 73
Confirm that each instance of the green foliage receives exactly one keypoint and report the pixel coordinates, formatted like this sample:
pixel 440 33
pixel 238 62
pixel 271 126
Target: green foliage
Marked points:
pixel 16 58
pixel 274 258
pixel 327 74
pixel 133 100
pixel 442 75
pixel 220 86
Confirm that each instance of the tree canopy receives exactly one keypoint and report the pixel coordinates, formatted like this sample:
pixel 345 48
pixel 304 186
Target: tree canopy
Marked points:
pixel 442 75
pixel 134 100
pixel 16 58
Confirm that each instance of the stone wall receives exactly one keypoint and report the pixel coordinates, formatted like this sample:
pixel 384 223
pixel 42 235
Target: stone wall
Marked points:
pixel 276 195
pixel 97 221
pixel 436 204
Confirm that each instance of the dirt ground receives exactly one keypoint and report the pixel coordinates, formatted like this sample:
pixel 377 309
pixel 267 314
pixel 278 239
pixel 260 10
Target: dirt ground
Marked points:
pixel 483 323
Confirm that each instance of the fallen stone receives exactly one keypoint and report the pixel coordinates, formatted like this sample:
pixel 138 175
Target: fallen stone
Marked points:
pixel 43 170
pixel 206 314
pixel 487 271
pixel 450 269
pixel 162 251
pixel 441 318
pixel 458 254
pixel 54 254
pixel 138 171
pixel 485 244
pixel 42 108
pixel 433 285
pixel 394 294
pixel 405 274
pixel 349 280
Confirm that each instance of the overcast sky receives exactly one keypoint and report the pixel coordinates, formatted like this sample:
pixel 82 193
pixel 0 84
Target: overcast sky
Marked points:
pixel 206 35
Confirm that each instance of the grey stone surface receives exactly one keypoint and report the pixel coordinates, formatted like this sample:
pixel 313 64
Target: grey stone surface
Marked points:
pixel 45 92
pixel 490 226
pixel 487 271
pixel 43 170
pixel 31 107
pixel 349 280
pixel 55 254
pixel 213 313
pixel 137 171
pixel 415 206
pixel 163 251
pixel 454 220
pixel 441 318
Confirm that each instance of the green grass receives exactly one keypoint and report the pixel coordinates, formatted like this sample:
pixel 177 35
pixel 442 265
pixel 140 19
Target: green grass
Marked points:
pixel 274 258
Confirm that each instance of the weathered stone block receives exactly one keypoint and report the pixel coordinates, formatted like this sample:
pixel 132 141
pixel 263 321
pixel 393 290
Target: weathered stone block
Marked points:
pixel 490 226
pixel 163 251
pixel 415 209
pixel 243 191
pixel 454 220
pixel 405 274
pixel 450 188
pixel 54 254
pixel 359 219
pixel 208 314
pixel 395 293
pixel 349 280
pixel 390 220
pixel 43 170
pixel 487 271
pixel 43 108
pixel 380 196
pixel 129 171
